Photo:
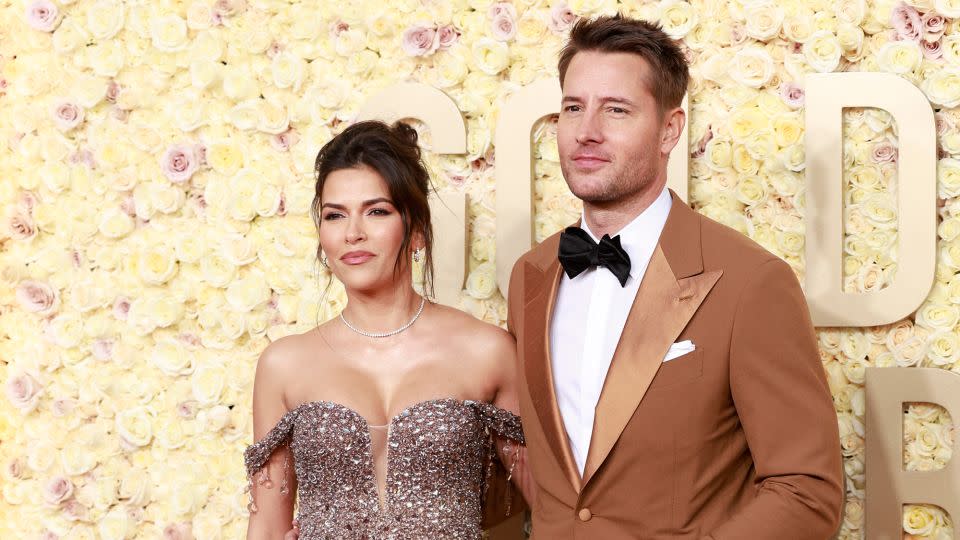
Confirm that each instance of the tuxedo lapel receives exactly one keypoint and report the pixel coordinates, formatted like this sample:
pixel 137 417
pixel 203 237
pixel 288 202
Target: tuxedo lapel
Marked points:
pixel 672 290
pixel 541 284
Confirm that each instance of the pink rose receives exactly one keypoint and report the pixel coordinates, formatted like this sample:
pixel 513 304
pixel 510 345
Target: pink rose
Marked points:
pixel 738 33
pixel 27 201
pixel 561 18
pixel 906 22
pixel 180 161
pixel 504 27
pixel 57 490
pixel 792 94
pixel 49 535
pixel 932 50
pixel 21 226
pixel 501 8
pixel 338 27
pixel 187 409
pixel 223 9
pixel 43 15
pixel 420 40
pixel 14 468
pixel 113 90
pixel 448 35
pixel 73 510
pixel 702 143
pixel 67 115
pixel 23 392
pixel 283 141
pixel 37 297
pixel 178 531
pixel 63 406
pixel 102 349
pixel 121 308
pixel 884 153
pixel 933 26
pixel 943 123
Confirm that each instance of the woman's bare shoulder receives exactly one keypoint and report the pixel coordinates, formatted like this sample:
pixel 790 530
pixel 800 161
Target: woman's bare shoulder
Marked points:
pixel 286 356
pixel 471 335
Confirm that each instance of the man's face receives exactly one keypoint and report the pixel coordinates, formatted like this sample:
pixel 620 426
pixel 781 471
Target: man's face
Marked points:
pixel 610 134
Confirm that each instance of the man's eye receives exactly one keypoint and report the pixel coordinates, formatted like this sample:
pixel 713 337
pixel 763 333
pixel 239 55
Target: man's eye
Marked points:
pixel 618 110
pixel 572 108
pixel 331 216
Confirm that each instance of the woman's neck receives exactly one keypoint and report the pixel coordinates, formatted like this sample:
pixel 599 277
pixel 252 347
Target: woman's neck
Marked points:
pixel 383 310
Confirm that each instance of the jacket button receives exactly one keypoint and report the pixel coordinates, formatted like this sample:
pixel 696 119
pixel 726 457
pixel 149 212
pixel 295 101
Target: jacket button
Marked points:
pixel 584 514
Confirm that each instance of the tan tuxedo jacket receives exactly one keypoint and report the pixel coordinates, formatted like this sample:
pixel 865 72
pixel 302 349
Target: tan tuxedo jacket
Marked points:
pixel 736 440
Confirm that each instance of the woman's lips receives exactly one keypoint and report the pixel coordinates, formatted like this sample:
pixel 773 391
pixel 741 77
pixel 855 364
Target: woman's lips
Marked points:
pixel 356 257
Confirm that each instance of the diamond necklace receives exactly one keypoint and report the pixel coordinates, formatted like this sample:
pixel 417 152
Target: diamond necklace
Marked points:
pixel 423 302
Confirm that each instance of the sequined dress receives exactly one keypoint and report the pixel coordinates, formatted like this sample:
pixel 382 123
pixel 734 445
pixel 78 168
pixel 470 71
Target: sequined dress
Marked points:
pixel 438 456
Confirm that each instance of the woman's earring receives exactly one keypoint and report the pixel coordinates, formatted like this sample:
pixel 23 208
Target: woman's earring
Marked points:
pixel 323 260
pixel 418 255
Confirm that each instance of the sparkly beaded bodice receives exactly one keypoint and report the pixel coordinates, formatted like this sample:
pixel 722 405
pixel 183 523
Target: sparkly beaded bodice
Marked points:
pixel 436 453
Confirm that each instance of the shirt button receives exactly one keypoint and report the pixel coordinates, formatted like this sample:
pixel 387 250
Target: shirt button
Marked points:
pixel 584 514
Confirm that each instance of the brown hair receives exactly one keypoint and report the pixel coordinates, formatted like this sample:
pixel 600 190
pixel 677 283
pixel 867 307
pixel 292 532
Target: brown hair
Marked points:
pixel 669 73
pixel 393 153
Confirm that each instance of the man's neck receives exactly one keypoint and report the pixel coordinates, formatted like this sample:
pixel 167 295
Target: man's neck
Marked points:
pixel 611 217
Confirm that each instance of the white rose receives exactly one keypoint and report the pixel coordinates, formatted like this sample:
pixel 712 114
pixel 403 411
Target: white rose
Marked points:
pixel 116 525
pixel 491 56
pixel 249 293
pixel 189 113
pixel 239 85
pixel 752 66
pixel 207 384
pixel 287 70
pixel 764 19
pixel 677 18
pixel 172 357
pixel 948 8
pixel 482 282
pixel 943 87
pixel 168 33
pixel 822 51
pixel 157 265
pixel 217 270
pixel 245 115
pixel 105 19
pixel 135 426
pixel 272 118
pixel 899 56
pixel 203 73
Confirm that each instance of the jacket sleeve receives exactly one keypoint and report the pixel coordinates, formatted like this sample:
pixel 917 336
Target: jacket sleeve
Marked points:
pixel 782 398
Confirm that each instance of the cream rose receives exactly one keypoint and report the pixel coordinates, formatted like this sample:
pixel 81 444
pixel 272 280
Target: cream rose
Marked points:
pixel 482 282
pixel 207 384
pixel 172 358
pixel 752 66
pixel 168 33
pixel 135 426
pixel 491 56
pixel 899 56
pixel 677 18
pixel 156 265
pixel 948 177
pixel 763 19
pixel 822 51
pixel 943 87
pixel 287 70
pixel 105 19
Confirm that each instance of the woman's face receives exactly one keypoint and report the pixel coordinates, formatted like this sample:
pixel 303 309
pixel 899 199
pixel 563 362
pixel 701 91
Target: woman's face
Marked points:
pixel 360 230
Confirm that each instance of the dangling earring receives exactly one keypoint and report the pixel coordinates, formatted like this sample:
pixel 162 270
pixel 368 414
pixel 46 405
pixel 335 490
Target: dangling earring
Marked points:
pixel 418 255
pixel 323 260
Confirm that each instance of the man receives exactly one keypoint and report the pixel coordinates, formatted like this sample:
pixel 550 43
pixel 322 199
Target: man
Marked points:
pixel 670 380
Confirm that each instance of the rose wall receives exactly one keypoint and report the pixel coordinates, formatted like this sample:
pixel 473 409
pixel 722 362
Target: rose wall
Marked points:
pixel 155 179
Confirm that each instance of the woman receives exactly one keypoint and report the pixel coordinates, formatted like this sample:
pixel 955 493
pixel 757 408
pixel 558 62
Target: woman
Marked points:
pixel 380 420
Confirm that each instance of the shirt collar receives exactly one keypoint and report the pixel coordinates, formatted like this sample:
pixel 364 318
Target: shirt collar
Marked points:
pixel 639 237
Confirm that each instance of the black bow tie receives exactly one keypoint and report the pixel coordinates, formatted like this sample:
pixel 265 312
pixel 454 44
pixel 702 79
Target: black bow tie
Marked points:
pixel 578 252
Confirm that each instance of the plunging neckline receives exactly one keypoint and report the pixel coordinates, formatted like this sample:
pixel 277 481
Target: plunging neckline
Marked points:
pixel 382 497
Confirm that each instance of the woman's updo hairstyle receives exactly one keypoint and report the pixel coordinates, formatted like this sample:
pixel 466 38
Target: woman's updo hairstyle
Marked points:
pixel 393 153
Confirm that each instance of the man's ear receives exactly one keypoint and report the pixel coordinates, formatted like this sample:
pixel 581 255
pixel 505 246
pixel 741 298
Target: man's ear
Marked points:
pixel 673 122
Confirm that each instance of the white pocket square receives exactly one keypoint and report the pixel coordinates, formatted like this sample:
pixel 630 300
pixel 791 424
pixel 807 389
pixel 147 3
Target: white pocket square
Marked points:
pixel 679 348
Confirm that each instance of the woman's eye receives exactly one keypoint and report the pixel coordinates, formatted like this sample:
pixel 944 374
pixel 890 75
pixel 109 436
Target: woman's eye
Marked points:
pixel 379 212
pixel 331 216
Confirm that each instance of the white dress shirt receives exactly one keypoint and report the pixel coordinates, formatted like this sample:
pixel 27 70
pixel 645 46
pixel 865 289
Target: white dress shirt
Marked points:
pixel 588 318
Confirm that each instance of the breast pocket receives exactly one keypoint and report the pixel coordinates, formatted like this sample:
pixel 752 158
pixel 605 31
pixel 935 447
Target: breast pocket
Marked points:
pixel 681 369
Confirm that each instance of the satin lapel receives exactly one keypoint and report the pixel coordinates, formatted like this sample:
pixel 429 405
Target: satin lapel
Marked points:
pixel 537 312
pixel 660 311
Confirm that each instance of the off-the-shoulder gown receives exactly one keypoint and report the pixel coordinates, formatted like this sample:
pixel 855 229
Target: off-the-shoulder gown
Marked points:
pixel 423 475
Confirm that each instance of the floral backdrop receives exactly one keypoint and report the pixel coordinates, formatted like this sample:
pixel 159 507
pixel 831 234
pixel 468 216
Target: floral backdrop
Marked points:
pixel 155 178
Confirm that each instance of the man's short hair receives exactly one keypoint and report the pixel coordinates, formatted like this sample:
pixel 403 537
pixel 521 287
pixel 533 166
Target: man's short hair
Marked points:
pixel 669 73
